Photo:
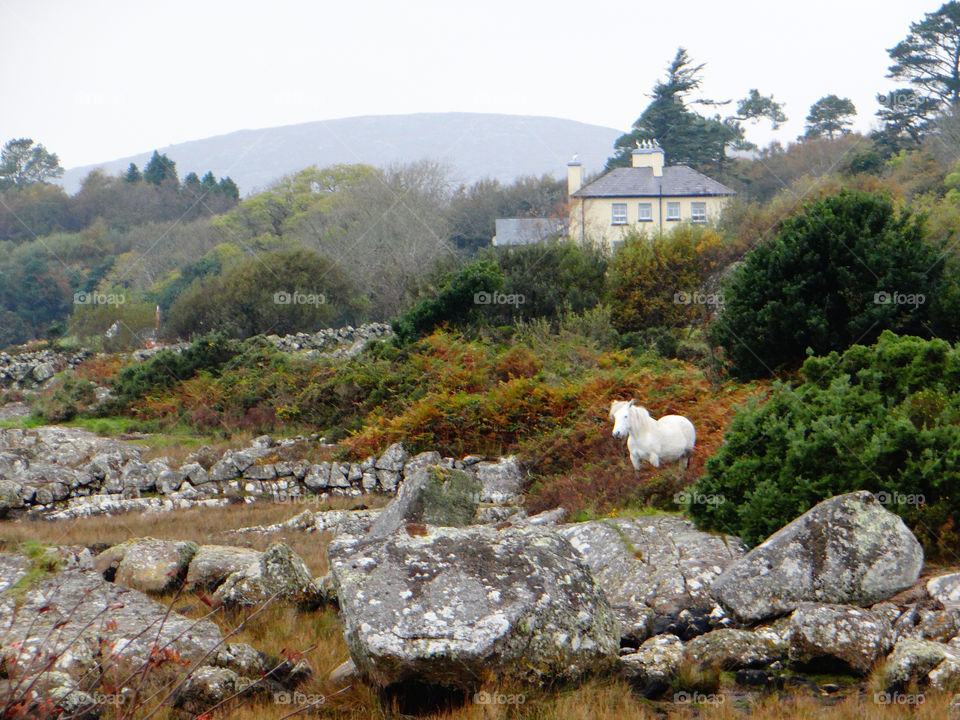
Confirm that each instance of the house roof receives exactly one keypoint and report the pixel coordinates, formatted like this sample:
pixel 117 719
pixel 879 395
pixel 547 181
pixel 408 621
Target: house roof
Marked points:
pixel 640 182
pixel 525 231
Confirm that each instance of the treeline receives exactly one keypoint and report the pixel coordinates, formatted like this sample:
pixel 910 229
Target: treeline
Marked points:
pixel 31 207
pixel 367 236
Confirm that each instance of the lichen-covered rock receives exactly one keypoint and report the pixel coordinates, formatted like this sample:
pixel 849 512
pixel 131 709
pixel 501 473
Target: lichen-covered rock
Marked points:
pixel 945 588
pixel 915 659
pixel 213 564
pixel 86 623
pixel 502 480
pixel 732 649
pixel 278 571
pixel 846 550
pixel 662 562
pixel 856 637
pixel 207 686
pixel 654 664
pixel 456 605
pixel 10 496
pixel 13 568
pixel 432 495
pixel 393 458
pixel 154 566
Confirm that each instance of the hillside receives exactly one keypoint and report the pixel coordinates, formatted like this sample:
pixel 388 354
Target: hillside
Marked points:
pixel 476 145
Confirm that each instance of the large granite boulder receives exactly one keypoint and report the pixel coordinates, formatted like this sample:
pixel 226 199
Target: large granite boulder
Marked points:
pixel 732 649
pixel 75 616
pixel 846 550
pixel 154 566
pixel 451 606
pixel 278 572
pixel 654 664
pixel 502 480
pixel 661 562
pixel 921 660
pixel 432 495
pixel 212 564
pixel 838 636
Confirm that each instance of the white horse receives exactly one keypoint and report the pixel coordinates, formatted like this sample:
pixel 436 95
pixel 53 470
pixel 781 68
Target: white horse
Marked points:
pixel 670 438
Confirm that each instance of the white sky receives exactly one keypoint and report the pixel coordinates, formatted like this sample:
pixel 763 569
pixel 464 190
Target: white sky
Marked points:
pixel 95 80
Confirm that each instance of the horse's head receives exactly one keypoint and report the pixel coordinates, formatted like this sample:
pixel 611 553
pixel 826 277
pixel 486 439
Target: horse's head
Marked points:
pixel 620 414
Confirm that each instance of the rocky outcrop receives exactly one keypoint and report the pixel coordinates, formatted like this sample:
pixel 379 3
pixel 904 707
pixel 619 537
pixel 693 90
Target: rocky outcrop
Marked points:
pixel 147 564
pixel 654 664
pixel 846 550
pixel 662 563
pixel 732 649
pixel 213 564
pixel 452 606
pixel 921 660
pixel 277 573
pixel 432 495
pixel 835 636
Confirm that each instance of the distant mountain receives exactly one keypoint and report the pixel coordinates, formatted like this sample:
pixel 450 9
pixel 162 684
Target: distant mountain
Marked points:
pixel 474 145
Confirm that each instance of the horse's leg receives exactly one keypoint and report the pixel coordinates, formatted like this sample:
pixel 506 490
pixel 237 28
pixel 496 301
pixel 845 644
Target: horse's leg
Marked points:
pixel 653 459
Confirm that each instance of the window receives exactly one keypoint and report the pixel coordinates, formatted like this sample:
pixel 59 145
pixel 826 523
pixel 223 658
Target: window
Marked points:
pixel 673 211
pixel 698 212
pixel 619 214
pixel 644 212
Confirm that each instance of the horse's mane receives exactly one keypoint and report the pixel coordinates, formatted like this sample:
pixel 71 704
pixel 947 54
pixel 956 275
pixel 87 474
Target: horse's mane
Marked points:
pixel 639 418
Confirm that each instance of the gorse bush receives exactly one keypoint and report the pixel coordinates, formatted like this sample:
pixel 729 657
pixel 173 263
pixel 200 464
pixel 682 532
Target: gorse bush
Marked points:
pixel 168 368
pixel 884 418
pixel 841 271
pixel 458 297
pixel 662 281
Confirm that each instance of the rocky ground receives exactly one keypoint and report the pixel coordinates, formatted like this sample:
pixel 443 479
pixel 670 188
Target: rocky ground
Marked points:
pixel 451 585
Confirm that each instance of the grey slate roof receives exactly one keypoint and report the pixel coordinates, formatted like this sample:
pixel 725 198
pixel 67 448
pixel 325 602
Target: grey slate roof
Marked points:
pixel 527 231
pixel 640 182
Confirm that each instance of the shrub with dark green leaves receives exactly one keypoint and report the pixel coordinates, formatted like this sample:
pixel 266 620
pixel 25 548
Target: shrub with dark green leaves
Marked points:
pixel 167 368
pixel 553 278
pixel 884 418
pixel 841 271
pixel 458 298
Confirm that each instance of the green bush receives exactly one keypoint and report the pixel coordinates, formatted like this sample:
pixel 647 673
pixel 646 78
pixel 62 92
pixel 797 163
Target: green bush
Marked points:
pixel 280 292
pixel 167 368
pixel 822 281
pixel 882 418
pixel 552 277
pixel 458 298
pixel 662 282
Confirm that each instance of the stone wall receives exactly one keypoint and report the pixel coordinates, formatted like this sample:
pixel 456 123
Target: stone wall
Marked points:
pixel 51 467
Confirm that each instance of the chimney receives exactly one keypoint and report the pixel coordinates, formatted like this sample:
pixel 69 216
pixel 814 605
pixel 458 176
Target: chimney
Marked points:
pixel 574 175
pixel 649 154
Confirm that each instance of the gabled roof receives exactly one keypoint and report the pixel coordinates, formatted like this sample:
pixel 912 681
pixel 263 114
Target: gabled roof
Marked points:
pixel 640 182
pixel 527 231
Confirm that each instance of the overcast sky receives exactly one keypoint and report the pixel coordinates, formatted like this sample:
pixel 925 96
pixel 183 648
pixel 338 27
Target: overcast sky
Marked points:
pixel 95 80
